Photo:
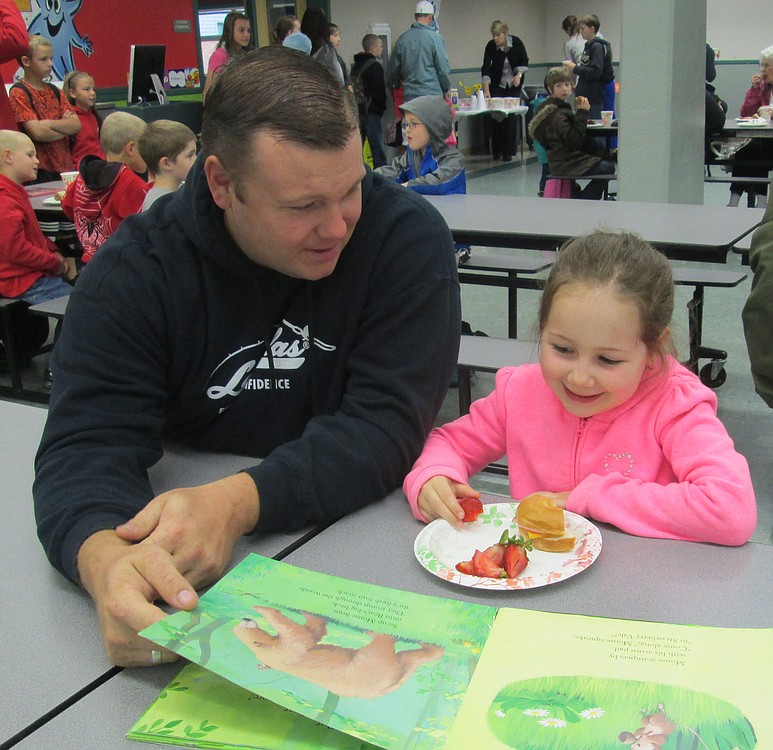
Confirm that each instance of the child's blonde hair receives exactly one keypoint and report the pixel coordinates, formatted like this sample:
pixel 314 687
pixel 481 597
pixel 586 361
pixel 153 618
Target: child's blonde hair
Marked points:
pixel 36 40
pixel 118 129
pixel 13 139
pixel 631 268
pixel 163 138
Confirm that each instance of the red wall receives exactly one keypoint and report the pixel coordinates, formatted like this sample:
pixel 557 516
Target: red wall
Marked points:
pixel 112 27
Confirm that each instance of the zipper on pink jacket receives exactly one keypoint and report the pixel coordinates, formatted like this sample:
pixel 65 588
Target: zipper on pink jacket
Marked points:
pixel 576 459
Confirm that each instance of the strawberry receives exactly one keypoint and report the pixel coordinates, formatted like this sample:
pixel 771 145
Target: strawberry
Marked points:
pixel 515 557
pixel 465 566
pixel 472 508
pixel 485 567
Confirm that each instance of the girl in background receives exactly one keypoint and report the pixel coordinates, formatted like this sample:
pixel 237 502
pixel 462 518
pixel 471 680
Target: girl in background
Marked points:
pixel 315 25
pixel 79 89
pixel 234 41
pixel 608 423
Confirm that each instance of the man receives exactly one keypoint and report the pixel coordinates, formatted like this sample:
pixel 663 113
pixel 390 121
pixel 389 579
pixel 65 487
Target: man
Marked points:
pixel 368 74
pixel 283 303
pixel 419 58
pixel 758 311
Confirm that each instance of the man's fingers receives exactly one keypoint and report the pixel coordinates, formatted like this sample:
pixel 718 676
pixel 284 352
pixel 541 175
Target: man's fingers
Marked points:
pixel 167 581
pixel 141 526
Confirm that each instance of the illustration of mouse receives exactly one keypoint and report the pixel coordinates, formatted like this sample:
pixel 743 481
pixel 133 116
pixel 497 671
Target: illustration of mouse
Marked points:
pixel 367 672
pixel 55 22
pixel 653 733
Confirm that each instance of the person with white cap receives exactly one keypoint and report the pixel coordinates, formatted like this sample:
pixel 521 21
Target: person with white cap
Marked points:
pixel 419 60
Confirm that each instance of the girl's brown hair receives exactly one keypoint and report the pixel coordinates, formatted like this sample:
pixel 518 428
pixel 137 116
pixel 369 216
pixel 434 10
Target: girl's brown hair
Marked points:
pixel 629 267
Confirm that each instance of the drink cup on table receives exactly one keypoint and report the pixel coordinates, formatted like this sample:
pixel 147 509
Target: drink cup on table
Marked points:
pixel 606 117
pixel 68 177
pixel 766 113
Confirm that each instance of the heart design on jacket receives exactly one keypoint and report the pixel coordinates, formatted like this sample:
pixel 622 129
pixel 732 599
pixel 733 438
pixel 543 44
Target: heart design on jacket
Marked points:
pixel 611 463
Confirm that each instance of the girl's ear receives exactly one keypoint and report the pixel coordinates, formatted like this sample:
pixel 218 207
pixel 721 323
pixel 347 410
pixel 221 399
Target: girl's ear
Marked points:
pixel 665 345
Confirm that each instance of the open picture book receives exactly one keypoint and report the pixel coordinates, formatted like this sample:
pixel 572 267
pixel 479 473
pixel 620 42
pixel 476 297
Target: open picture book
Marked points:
pixel 288 658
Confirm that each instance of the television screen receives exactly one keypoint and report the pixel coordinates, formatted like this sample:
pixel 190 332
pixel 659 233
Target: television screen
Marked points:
pixel 146 74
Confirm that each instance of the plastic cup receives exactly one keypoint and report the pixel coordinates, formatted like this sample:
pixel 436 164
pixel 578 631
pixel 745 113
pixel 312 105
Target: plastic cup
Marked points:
pixel 766 112
pixel 606 117
pixel 68 177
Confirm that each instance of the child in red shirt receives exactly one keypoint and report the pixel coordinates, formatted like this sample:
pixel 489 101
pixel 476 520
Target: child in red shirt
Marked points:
pixel 43 113
pixel 29 262
pixel 79 89
pixel 108 190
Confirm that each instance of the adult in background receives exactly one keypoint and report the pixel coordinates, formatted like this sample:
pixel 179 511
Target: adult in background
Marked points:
pixel 334 37
pixel 14 42
pixel 755 159
pixel 234 41
pixel 758 311
pixel 504 64
pixel 419 58
pixel 283 303
pixel 315 25
pixel 367 69
pixel 591 68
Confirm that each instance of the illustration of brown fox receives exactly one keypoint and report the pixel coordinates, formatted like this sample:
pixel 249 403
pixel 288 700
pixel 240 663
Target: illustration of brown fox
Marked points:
pixel 368 672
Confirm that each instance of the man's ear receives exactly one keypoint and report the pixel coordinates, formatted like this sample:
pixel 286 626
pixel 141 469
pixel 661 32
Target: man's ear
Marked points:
pixel 220 184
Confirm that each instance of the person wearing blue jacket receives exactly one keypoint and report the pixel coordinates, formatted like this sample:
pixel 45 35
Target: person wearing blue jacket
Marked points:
pixel 419 60
pixel 428 165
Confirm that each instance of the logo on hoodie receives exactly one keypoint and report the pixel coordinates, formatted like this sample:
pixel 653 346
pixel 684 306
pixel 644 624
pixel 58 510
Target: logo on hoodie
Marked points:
pixel 251 367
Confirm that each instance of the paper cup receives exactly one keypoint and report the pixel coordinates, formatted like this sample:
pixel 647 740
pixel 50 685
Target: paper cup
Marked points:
pixel 68 177
pixel 606 118
pixel 766 112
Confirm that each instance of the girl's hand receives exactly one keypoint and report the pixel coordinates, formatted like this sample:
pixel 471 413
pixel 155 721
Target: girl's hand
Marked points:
pixel 582 103
pixel 439 498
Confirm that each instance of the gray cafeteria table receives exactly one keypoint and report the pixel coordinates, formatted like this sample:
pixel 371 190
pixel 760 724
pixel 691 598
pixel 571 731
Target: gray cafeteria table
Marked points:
pixel 41 195
pixel 683 232
pixel 51 649
pixel 633 578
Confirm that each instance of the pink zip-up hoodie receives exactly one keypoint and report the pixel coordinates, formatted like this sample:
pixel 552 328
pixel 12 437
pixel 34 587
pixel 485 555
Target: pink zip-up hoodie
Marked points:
pixel 660 465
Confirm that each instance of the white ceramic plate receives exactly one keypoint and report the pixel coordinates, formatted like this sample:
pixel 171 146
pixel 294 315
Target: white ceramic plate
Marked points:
pixel 439 546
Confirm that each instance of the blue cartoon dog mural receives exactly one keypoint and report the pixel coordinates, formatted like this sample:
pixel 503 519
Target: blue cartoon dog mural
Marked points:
pixel 55 21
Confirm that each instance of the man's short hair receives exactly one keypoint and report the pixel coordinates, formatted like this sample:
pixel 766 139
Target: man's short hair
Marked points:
pixel 369 42
pixel 275 90
pixel 557 75
pixel 118 129
pixel 163 138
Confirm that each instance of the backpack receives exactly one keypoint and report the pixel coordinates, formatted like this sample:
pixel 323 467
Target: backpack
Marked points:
pixel 23 87
pixel 363 101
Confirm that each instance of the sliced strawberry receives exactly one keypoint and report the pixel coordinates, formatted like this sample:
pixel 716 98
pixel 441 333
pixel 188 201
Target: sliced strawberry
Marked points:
pixel 472 508
pixel 466 566
pixel 484 566
pixel 515 558
pixel 496 553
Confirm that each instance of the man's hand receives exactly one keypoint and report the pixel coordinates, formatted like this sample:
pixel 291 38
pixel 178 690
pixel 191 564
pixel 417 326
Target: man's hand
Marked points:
pixel 569 65
pixel 439 498
pixel 181 540
pixel 198 526
pixel 123 580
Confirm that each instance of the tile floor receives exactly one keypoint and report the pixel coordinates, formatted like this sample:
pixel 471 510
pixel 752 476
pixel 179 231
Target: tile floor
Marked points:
pixel 746 416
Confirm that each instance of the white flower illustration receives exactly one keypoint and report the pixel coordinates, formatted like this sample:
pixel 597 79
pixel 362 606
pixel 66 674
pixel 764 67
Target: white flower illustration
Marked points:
pixel 552 721
pixel 500 714
pixel 592 713
pixel 536 712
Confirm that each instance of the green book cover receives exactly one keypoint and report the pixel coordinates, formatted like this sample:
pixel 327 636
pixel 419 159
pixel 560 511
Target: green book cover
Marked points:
pixel 401 670
pixel 385 666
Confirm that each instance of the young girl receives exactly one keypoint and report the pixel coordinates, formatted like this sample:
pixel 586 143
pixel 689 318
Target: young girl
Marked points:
pixel 234 41
pixel 79 89
pixel 608 423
